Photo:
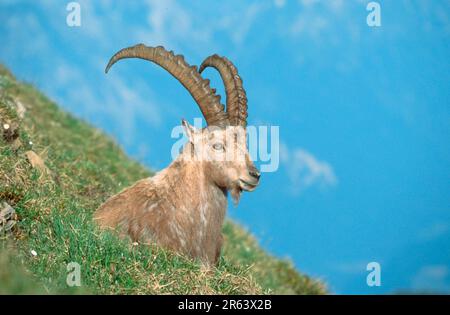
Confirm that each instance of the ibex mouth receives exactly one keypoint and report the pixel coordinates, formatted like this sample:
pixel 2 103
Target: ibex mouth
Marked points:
pixel 247 186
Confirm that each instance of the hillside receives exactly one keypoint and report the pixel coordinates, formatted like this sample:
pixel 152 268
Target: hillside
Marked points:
pixel 55 170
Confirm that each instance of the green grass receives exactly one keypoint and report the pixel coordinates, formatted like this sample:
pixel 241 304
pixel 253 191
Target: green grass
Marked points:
pixel 55 217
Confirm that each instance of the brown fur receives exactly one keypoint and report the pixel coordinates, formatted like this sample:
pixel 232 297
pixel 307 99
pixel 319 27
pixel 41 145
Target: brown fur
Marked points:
pixel 183 206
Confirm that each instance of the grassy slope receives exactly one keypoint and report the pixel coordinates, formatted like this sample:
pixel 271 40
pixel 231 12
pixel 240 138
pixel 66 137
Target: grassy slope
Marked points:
pixel 55 208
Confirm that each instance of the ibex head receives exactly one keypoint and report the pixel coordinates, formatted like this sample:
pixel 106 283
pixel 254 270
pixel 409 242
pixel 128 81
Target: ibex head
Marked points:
pixel 222 145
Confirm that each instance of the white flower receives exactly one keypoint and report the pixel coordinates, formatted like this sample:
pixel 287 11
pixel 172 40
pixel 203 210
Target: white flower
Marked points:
pixel 33 252
pixel 6 126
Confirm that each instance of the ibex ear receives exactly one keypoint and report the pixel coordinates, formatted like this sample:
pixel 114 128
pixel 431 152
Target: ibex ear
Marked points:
pixel 189 130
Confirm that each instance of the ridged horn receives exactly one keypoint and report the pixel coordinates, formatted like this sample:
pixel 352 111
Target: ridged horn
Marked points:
pixel 187 75
pixel 234 90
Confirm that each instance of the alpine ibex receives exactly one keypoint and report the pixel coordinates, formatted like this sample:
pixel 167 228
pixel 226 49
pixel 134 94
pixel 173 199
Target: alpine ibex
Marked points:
pixel 183 206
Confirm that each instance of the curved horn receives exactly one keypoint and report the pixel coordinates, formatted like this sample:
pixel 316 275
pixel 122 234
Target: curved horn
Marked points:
pixel 236 97
pixel 199 88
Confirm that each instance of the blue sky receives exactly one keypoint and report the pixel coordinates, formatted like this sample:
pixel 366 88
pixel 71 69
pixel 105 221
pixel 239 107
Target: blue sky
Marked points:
pixel 364 115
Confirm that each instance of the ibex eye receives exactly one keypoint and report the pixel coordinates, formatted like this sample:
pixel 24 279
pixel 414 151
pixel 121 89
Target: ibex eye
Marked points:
pixel 218 146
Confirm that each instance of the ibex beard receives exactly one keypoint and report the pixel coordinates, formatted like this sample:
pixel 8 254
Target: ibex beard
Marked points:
pixel 183 207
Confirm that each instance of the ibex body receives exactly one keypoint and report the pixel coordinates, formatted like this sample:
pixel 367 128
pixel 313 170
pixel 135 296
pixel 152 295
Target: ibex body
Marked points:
pixel 183 206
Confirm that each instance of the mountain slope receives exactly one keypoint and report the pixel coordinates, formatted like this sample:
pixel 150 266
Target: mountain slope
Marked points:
pixel 55 170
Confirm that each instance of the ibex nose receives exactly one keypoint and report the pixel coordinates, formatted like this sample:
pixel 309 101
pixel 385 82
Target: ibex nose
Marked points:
pixel 255 173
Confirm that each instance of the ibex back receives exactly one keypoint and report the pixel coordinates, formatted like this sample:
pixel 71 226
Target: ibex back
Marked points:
pixel 183 206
